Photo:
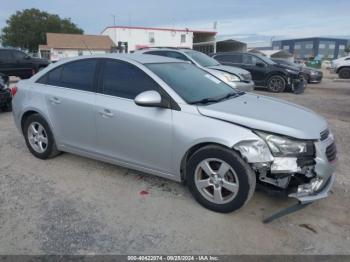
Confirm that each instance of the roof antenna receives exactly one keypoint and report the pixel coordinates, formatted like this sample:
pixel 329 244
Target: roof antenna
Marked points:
pixel 87 46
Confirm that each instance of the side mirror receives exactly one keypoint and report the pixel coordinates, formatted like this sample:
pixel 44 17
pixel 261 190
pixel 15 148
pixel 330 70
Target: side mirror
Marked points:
pixel 260 64
pixel 149 99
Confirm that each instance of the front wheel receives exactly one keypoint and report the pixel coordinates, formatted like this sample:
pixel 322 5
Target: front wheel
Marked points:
pixel 219 179
pixel 276 84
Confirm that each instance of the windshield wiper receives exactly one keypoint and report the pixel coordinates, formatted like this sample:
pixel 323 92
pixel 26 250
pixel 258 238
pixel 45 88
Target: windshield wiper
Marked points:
pixel 218 99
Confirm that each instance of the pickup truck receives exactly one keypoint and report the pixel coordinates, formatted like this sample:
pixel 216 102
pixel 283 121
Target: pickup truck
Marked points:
pixel 341 66
pixel 17 63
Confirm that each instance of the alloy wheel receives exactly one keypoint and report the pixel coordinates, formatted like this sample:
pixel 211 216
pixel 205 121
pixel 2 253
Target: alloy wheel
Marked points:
pixel 276 84
pixel 216 181
pixel 37 137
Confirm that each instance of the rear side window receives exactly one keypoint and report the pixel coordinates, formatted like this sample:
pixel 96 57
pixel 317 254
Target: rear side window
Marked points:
pixel 78 75
pixel 125 80
pixel 237 58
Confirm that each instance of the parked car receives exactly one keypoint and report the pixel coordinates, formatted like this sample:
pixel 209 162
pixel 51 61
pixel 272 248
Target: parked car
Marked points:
pixel 234 76
pixel 265 72
pixel 310 74
pixel 5 93
pixel 171 118
pixel 341 66
pixel 17 63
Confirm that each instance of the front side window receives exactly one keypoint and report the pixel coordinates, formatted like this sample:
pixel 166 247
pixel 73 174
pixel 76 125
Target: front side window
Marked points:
pixel 251 60
pixel 125 80
pixel 190 82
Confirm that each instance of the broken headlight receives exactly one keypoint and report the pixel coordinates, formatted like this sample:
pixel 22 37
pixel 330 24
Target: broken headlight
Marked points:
pixel 282 146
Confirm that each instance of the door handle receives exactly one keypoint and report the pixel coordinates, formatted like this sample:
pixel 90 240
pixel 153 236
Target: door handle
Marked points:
pixel 106 113
pixel 55 100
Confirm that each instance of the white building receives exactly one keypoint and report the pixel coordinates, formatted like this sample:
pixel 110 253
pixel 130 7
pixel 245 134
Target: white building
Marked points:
pixel 70 45
pixel 141 37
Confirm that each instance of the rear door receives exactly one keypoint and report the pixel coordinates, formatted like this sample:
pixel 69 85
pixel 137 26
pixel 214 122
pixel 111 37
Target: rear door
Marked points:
pixel 126 132
pixel 70 99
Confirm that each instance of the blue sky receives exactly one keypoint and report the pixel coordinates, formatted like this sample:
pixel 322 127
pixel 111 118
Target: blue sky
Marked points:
pixel 249 18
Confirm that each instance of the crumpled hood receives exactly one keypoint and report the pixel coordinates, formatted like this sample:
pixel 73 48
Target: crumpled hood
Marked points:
pixel 268 114
pixel 230 69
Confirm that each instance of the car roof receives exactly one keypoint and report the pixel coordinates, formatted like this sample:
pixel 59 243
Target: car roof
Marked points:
pixel 137 57
pixel 164 49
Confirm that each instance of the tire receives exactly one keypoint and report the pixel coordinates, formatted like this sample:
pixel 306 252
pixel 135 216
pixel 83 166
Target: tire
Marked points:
pixel 207 190
pixel 344 73
pixel 44 145
pixel 276 84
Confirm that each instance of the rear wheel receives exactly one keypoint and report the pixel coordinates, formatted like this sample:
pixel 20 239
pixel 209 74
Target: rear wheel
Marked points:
pixel 276 84
pixel 344 73
pixel 39 138
pixel 219 179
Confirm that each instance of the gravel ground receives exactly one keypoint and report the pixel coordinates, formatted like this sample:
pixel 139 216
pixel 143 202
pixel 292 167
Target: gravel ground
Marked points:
pixel 75 205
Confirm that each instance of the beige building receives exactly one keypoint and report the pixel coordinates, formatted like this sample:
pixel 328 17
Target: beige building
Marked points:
pixel 70 45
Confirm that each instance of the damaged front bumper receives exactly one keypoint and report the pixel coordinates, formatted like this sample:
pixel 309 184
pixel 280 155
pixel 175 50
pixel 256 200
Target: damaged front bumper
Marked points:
pixel 306 180
pixel 306 193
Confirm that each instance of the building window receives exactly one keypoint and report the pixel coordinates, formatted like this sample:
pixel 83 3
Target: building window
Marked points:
pixel 341 47
pixel 309 46
pixel 183 38
pixel 331 46
pixel 330 56
pixel 286 47
pixel 297 47
pixel 151 37
pixel 321 46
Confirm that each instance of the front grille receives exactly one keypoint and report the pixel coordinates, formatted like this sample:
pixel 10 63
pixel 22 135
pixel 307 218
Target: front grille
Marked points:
pixel 331 152
pixel 324 134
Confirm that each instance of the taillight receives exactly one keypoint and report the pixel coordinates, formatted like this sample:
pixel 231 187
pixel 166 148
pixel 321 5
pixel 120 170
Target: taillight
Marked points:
pixel 13 90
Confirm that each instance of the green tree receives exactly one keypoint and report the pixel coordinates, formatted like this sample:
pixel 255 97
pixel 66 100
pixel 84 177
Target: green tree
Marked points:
pixel 27 29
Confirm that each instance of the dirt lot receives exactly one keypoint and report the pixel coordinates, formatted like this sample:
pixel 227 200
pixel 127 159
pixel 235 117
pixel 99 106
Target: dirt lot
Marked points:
pixel 74 205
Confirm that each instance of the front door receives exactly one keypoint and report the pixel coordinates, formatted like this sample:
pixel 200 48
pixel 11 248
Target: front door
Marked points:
pixel 126 132
pixel 256 67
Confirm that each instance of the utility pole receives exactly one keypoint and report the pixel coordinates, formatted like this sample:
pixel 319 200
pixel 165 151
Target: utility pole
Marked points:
pixel 114 29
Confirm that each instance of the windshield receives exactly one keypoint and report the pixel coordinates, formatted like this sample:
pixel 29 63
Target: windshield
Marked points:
pixel 202 59
pixel 191 83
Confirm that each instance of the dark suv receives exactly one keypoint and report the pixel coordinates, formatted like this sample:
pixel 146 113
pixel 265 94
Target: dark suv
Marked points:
pixel 265 73
pixel 17 63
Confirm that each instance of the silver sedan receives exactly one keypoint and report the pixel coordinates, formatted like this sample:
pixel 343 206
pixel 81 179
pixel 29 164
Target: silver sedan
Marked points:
pixel 173 119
